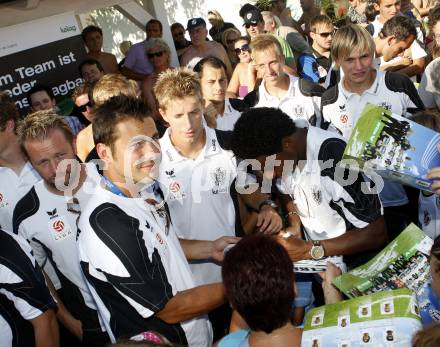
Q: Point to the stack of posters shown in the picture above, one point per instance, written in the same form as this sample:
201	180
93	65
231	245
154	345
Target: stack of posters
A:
403	263
393	147
380	319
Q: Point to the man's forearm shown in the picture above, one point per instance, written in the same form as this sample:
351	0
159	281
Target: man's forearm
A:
46	330
415	68
254	199
353	241
193	303
197	249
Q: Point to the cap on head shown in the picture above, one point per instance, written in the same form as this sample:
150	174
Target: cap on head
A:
253	16
195	22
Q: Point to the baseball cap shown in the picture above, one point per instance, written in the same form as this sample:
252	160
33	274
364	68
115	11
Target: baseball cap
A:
253	16
195	22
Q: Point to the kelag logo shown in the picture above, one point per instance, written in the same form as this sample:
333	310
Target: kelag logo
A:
67	29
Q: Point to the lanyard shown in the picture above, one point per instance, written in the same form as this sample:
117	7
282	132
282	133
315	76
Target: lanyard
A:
112	187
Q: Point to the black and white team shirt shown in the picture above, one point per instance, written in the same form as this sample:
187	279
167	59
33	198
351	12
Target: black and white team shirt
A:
393	91
48	222
23	292
134	264
198	193
326	205
12	188
301	102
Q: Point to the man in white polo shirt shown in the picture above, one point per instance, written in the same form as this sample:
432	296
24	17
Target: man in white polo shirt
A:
198	175
362	83
299	98
46	217
413	60
17	175
213	80
340	216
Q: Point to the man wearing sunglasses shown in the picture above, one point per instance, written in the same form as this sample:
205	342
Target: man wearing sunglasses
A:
180	42
254	24
201	48
315	66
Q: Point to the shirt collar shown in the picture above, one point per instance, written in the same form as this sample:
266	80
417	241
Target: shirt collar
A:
373	90
290	91
211	147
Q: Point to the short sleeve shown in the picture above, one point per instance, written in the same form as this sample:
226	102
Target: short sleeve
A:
134	271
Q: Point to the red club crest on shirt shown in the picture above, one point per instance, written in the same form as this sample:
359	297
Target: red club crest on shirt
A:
58	225
174	187
343	118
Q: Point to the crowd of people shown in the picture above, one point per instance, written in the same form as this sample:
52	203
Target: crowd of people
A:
168	207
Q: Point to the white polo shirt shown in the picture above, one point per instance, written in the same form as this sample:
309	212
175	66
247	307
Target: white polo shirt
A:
301	101
429	89
12	188
198	193
417	51
328	208
48	222
230	116
429	214
341	110
134	264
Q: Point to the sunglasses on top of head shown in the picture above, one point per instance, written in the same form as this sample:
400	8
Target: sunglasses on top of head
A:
244	48
156	54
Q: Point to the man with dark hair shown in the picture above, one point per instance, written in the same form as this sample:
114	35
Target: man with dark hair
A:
154	28
131	257
41	97
339	216
91	70
92	37
45	218
397	35
180	42
214	81
137	66
201	48
27	310
314	66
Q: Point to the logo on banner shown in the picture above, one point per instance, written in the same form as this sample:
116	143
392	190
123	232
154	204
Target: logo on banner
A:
67	29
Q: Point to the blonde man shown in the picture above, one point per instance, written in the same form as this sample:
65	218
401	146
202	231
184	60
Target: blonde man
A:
44	218
298	98
109	85
361	83
197	173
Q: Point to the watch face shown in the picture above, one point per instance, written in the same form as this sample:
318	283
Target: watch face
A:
317	252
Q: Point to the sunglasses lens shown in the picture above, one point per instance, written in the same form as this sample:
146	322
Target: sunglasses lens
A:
245	48
152	55
237	50
83	108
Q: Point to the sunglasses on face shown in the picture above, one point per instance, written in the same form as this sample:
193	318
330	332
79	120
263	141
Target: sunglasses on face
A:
248	25
83	108
244	48
326	34
157	55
